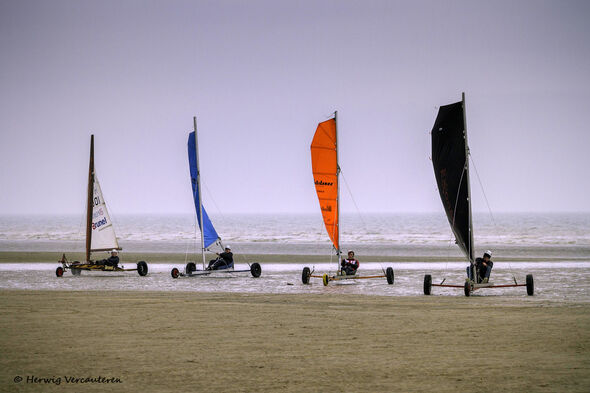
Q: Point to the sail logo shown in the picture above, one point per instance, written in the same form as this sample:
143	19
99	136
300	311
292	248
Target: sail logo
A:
326	208
323	183
98	213
98	224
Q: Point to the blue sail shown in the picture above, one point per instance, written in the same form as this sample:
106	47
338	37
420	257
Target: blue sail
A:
209	232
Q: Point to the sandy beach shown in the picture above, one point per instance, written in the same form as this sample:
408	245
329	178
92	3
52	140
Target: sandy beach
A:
162	341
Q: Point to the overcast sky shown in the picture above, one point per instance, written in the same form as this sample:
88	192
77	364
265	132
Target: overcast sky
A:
260	75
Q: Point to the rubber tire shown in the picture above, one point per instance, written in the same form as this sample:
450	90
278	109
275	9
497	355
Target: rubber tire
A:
255	270
325	279
190	268
305	275
59	272
530	285
142	268
174	272
467	288
75	272
390	276
427	284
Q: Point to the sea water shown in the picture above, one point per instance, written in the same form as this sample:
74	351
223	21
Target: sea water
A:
515	235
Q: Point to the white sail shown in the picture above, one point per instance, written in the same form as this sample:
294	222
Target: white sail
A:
103	233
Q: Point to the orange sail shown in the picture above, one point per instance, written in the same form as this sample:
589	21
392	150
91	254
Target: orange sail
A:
324	163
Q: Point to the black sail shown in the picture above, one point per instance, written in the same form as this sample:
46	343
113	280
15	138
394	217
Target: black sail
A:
451	169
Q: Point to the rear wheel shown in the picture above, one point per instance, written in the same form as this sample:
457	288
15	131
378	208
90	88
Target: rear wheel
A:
305	275
175	273
59	272
325	279
142	268
389	275
427	284
190	267
467	288
255	269
530	285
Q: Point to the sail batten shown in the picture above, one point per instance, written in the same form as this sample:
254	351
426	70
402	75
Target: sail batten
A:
451	169
209	233
324	162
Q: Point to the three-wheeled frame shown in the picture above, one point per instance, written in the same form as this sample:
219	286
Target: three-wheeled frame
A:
307	273
77	267
190	270
471	285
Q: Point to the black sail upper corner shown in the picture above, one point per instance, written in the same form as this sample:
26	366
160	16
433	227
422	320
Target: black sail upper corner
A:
451	169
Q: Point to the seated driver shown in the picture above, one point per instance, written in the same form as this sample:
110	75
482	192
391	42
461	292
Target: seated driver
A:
113	259
349	265
225	260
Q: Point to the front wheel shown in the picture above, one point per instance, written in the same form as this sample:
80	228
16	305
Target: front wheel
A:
389	275
530	285
427	284
325	279
255	270
305	275
142	268
59	272
175	273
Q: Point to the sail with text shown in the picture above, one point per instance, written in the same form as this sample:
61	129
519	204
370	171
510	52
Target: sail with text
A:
451	169
103	232
209	234
325	174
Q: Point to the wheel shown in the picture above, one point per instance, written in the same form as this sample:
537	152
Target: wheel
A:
174	273
530	285
305	275
190	267
142	268
255	269
467	288
325	279
75	272
59	271
389	275
428	284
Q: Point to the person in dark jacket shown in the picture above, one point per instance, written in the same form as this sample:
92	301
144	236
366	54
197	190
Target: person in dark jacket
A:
225	260
349	265
483	267
113	259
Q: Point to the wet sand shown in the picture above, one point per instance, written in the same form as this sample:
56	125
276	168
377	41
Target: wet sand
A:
163	341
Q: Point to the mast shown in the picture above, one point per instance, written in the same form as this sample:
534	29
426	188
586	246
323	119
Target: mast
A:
89	199
338	252
199	192
470	240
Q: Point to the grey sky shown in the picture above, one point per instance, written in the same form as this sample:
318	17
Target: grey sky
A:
260	75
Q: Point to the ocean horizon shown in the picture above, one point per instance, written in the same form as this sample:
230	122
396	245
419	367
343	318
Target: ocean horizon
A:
552	235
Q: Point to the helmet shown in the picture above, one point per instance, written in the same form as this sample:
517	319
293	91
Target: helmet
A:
114	250
227	247
350	251
488	253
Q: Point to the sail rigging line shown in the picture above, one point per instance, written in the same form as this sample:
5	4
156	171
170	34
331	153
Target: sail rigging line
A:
223	218
489	209
453	223
354	201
